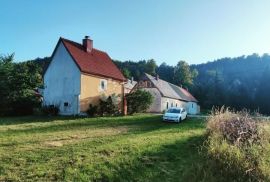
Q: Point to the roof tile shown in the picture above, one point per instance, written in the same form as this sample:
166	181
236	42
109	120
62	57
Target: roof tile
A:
96	62
170	90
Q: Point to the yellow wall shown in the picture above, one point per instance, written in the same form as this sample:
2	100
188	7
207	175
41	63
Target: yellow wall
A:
90	90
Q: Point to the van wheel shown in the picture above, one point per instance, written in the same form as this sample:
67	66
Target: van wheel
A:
179	120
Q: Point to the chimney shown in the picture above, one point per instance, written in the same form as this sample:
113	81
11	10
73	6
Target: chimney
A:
157	77
87	44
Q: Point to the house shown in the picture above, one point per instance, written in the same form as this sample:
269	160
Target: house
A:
79	75
129	85
167	95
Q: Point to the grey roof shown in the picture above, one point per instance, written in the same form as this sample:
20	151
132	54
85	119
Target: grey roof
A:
170	90
130	84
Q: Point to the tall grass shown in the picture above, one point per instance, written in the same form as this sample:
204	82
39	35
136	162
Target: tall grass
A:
238	145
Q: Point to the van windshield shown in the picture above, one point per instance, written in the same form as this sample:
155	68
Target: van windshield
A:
173	111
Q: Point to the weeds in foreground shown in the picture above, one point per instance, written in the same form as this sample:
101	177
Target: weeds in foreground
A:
238	145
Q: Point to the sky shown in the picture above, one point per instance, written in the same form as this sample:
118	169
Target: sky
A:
196	31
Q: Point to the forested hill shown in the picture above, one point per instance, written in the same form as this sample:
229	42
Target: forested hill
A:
237	82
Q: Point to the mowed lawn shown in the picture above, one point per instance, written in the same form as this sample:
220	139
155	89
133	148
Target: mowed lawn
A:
132	148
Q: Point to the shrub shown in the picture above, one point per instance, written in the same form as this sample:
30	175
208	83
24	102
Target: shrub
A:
109	105
24	106
50	110
238	145
138	101
237	128
92	110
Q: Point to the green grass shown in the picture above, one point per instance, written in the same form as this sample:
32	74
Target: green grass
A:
133	148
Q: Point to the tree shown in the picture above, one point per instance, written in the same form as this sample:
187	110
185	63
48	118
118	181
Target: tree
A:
136	69
183	75
138	101
18	81
166	72
126	73
6	67
217	94
150	67
262	94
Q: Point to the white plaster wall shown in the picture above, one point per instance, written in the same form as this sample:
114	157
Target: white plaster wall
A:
172	103
156	105
62	82
193	108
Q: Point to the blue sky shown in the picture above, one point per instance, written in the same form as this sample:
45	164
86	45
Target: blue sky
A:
167	31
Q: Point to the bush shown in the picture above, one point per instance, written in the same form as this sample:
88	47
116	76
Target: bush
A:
92	110
138	101
50	110
109	106
24	106
238	145
237	128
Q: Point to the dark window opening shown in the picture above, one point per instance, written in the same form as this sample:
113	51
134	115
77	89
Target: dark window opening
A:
102	85
167	105
66	104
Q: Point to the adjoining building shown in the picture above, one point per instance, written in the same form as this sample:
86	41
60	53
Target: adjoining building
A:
167	95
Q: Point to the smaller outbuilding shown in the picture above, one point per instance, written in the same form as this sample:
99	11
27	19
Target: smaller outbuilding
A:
129	85
167	95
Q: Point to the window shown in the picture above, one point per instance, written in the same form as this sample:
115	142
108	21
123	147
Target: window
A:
192	105
176	111
171	104
176	105
103	85
167	105
65	104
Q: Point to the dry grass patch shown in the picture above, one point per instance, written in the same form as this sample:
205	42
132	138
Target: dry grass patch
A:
239	145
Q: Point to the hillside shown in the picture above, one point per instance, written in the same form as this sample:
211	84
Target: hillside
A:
237	82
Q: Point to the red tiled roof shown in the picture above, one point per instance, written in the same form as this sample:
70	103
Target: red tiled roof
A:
96	62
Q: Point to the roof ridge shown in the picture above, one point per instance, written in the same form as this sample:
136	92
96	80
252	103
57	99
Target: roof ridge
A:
164	80
71	41
171	84
79	44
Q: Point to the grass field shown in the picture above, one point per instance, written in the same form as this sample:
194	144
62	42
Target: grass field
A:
133	148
